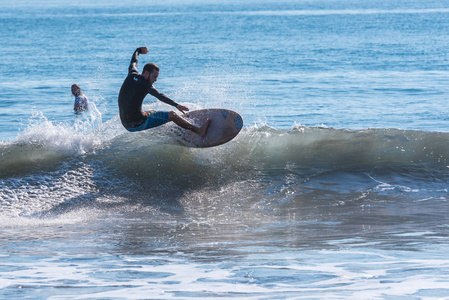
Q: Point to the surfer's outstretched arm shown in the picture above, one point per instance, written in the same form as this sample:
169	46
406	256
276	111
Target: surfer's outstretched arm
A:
181	122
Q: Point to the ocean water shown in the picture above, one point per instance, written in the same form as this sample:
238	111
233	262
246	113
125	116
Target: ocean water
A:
336	187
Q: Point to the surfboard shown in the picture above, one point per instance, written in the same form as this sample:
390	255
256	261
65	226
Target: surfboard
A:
224	126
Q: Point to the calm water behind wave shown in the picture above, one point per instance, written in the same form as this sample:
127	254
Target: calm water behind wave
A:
363	60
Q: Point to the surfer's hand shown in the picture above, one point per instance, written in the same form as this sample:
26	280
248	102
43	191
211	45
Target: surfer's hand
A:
143	50
182	108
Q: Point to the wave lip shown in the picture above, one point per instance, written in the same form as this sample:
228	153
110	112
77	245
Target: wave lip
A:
310	146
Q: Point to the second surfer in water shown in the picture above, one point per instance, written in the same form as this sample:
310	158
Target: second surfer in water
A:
134	89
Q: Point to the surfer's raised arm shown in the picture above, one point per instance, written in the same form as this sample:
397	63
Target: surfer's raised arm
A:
135	58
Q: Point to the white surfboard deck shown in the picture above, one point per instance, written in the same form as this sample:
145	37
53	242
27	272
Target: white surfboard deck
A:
224	126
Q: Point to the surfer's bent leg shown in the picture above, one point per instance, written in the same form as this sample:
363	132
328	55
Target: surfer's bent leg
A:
181	122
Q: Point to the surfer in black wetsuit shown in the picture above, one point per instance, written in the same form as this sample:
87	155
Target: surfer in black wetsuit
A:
134	89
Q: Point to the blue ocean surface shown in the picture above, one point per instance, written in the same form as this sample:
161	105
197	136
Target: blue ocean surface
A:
336	187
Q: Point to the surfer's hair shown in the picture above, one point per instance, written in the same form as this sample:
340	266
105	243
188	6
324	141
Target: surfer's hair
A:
150	67
76	90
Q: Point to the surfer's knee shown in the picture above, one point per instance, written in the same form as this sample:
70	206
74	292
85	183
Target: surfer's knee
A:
172	115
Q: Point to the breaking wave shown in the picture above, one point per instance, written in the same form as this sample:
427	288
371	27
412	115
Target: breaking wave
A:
52	169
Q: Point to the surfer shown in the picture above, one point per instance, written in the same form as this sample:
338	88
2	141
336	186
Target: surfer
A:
132	93
81	101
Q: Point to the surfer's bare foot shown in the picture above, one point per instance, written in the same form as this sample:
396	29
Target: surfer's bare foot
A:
202	131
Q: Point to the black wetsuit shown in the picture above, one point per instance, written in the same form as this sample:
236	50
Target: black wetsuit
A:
133	91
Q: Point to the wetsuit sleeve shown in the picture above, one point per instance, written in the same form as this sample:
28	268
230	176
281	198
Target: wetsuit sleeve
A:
153	92
133	65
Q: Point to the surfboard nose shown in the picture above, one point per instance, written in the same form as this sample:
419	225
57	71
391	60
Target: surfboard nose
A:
225	125
238	121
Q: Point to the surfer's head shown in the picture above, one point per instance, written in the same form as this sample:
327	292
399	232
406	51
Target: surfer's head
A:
76	90
150	72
